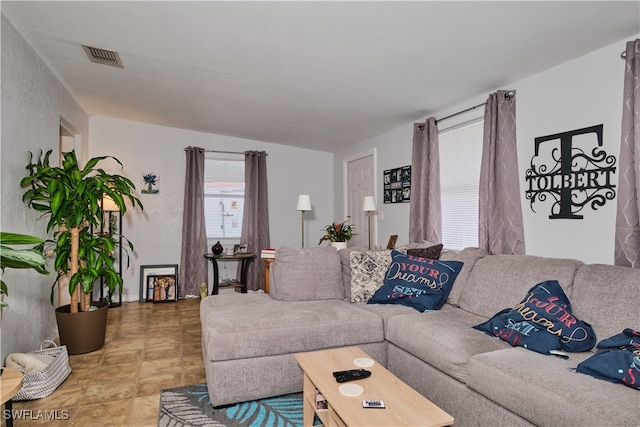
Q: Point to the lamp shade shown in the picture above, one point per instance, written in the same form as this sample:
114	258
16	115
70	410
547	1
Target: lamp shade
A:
304	203
369	204
108	204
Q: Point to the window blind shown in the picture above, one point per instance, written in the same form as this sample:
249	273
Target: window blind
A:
223	197
460	157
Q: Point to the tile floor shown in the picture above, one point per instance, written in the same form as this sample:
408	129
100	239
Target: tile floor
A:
148	347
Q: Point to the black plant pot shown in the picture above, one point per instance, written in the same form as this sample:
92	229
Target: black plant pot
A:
82	332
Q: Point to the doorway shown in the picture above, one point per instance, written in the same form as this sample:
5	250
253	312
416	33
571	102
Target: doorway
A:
69	140
359	181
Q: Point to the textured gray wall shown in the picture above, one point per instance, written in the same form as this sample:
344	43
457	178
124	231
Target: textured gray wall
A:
33	104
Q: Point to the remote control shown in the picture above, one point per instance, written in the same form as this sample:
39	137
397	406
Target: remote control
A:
349	372
373	404
352	375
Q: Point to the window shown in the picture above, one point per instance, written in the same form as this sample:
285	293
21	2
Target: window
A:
224	196
460	157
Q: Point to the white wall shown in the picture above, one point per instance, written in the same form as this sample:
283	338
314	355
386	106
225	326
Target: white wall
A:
34	103
582	92
156	232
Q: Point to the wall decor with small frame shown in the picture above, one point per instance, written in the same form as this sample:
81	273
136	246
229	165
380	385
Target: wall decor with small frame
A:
150	182
397	185
159	283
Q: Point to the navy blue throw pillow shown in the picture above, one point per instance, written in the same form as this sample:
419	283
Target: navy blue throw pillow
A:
542	322
627	340
618	361
421	283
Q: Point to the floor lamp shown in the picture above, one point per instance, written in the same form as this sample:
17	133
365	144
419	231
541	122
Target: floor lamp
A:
110	208
304	204
369	206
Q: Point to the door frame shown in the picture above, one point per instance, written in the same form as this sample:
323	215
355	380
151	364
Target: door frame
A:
345	162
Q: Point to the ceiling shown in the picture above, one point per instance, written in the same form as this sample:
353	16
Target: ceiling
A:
319	75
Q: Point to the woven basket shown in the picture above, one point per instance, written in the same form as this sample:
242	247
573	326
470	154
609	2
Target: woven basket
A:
39	384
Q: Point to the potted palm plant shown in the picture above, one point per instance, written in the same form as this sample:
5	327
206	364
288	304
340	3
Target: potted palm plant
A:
71	197
12	257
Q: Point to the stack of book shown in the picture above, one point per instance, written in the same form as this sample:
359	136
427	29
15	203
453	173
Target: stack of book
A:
268	253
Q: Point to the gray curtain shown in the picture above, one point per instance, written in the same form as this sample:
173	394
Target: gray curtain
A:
425	213
627	246
255	222
193	265
500	227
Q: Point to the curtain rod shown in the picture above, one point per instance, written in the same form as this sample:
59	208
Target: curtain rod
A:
460	112
508	95
225	152
421	127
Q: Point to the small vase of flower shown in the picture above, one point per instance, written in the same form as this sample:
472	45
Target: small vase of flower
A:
338	234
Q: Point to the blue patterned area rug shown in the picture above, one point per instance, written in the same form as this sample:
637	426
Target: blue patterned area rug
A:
190	406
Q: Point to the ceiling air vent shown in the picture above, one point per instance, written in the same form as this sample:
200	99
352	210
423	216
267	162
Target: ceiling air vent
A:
103	56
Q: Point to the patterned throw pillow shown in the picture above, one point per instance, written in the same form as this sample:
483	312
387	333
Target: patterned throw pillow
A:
420	283
542	322
432	252
367	273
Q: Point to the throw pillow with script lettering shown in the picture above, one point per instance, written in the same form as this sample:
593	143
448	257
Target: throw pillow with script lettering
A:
421	283
617	361
542	322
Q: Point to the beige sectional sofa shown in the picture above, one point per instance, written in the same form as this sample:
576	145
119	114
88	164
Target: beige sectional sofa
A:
248	340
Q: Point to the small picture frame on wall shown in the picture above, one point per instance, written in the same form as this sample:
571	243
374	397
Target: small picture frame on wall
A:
391	244
150	181
165	275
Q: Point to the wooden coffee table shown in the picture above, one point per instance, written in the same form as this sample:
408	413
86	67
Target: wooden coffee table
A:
403	405
10	385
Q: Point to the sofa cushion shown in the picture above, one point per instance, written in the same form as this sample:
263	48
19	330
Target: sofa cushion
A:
421	283
444	339
543	321
496	281
469	257
546	391
304	274
367	273
236	326
386	312
618	286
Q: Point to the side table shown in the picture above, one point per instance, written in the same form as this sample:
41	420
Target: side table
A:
10	385
243	259
267	273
